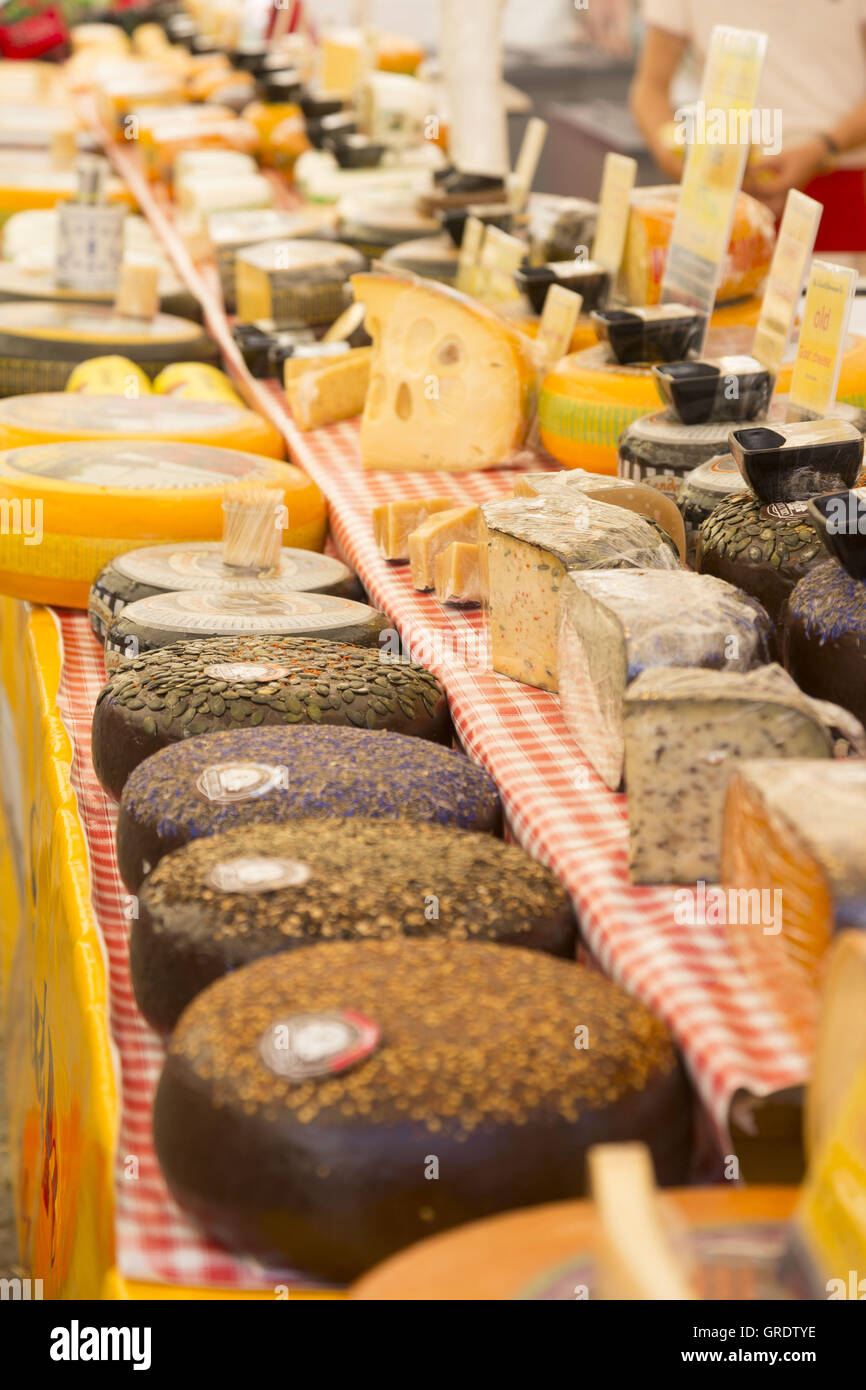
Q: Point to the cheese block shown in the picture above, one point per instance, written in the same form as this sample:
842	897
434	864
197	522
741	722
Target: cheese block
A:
40	343
198	687
230	232
219	904
331	391
261	777
74	506
294	280
457	575
650	223
685	732
109	376
702	490
265	1142
528	547
646	501
195	381
435	535
57	417
614	624
182	615
394	522
199	566
452	384
204	194
824	636
792	835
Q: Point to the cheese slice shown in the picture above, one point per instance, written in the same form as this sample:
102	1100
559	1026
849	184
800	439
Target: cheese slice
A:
685	731
394	522
793	832
435	535
332	391
452	385
530	545
456	572
618	492
614	624
379	294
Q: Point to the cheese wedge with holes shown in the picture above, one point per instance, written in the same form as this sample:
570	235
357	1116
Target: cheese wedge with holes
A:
456	573
685	731
528	546
452	386
394	522
435	535
332	391
618	492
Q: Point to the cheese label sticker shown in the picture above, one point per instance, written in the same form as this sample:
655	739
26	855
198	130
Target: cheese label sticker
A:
230	782
823	329
617	182
304	1046
254	671
794	243
784	511
257	874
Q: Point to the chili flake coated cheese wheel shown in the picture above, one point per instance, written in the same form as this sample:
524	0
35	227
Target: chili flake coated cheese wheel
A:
200	687
303	1096
40	343
220	903
55	417
264	777
73	507
182	616
163	569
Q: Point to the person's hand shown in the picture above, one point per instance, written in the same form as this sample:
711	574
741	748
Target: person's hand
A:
770	177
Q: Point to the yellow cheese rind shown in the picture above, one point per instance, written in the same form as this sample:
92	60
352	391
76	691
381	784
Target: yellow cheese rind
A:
195	381
435	535
457	578
394	522
109	376
335	391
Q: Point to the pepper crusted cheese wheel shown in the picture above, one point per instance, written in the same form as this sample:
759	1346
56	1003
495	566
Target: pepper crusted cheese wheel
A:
185	615
792	831
824	637
264	777
452	384
293	280
220	903
74	507
163	569
303	1096
41	343
53	417
614	624
198	687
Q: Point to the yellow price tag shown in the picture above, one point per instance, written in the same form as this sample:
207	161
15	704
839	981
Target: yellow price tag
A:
470	251
793	248
826	312
561	310
617	182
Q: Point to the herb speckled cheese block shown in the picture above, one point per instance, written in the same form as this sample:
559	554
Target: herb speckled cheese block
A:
452	384
614	624
197	687
646	501
261	777
40	343
527	548
685	731
825	636
75	506
294	281
305	1097
220	903
59	417
793	834
199	566
764	550
162	619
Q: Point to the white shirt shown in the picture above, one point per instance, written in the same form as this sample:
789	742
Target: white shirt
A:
815	66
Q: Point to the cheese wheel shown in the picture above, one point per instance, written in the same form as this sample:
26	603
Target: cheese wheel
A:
195	381
54	417
109	376
40	343
18	281
74	506
33	182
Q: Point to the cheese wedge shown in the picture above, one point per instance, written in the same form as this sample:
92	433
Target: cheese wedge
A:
457	578
335	391
378	293
434	536
530	545
394	522
453	383
618	492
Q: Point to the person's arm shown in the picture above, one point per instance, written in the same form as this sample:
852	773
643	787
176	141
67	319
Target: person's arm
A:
770	178
649	95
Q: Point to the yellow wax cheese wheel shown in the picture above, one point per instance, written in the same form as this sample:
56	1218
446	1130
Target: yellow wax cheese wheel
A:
195	381
587	400
40	343
34	183
25	281
109	376
70	508
54	417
